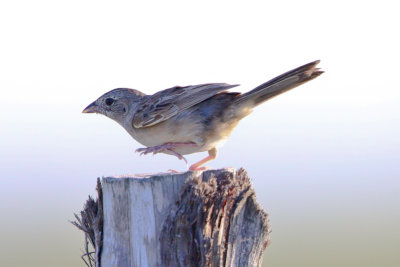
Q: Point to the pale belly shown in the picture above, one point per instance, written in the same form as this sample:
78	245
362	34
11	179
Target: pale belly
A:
184	128
172	131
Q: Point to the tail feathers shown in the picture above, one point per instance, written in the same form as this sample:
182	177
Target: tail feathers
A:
281	84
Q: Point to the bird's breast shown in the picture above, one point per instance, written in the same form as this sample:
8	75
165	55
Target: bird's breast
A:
174	130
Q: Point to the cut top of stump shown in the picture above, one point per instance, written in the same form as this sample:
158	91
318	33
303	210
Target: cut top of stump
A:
208	218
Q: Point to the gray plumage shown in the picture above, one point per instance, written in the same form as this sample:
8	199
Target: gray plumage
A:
184	120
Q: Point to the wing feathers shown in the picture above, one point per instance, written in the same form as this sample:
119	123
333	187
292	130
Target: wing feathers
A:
169	102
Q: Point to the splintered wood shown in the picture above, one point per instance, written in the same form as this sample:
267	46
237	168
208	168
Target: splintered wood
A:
208	218
217	223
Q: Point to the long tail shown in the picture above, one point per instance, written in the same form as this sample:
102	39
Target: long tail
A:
280	84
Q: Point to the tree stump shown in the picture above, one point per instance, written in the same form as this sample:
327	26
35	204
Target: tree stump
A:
208	218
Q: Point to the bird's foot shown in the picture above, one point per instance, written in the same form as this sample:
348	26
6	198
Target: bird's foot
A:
156	149
194	168
165	147
212	154
179	156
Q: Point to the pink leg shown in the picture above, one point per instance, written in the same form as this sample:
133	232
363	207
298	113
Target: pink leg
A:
165	147
212	154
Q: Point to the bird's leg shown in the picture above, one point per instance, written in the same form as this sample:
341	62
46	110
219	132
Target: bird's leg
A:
165	147
212	154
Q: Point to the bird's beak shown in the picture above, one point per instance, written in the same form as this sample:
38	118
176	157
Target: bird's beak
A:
92	108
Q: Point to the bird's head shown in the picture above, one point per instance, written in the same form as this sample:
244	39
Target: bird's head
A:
116	103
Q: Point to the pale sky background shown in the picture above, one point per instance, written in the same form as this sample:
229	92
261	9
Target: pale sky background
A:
324	158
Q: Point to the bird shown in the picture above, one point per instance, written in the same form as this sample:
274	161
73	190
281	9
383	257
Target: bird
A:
183	120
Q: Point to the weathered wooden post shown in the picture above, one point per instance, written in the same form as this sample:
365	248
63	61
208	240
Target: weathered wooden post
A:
208	218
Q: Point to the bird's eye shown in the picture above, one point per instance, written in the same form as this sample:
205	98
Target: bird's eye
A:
109	101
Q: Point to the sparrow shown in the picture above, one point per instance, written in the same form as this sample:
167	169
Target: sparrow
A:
189	119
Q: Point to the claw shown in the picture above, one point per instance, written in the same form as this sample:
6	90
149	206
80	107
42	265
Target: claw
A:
142	151
162	148
179	156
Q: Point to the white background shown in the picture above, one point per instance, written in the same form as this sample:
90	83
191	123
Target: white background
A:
324	158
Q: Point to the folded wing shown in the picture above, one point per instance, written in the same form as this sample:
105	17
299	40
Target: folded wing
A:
169	102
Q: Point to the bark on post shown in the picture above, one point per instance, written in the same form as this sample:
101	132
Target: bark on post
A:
208	218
